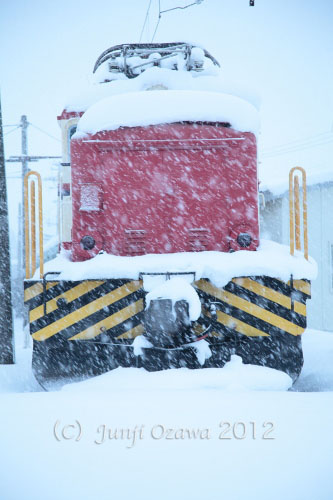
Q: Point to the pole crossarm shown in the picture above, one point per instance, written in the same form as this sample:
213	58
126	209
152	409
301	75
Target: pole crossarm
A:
13	159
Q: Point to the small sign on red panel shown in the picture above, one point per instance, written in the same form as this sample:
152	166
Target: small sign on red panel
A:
91	197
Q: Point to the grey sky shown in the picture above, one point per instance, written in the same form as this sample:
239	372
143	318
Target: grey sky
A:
283	48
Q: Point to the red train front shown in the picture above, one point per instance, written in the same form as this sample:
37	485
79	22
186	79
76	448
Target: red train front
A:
184	180
164	189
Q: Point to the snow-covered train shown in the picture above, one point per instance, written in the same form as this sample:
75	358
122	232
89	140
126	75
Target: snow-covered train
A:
158	212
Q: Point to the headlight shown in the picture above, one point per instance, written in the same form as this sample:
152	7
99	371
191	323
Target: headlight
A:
244	240
87	242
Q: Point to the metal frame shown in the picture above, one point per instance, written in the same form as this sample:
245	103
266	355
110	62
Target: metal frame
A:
44	288
168	274
144	50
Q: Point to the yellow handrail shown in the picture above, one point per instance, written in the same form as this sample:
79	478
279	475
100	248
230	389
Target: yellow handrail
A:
33	227
294	212
30	226
262	196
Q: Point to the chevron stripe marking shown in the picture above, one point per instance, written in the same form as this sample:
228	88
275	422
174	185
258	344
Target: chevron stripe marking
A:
264	291
87	310
239	325
302	286
300	308
36	289
110	321
250	308
268	293
70	295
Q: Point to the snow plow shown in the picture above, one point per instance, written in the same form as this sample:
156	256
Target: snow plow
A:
161	265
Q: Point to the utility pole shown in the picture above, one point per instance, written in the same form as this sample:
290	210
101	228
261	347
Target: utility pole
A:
24	152
6	315
24	159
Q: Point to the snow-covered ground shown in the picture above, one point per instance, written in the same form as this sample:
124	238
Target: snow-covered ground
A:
232	433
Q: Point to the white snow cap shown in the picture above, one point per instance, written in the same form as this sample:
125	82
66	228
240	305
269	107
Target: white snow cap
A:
177	289
271	259
156	107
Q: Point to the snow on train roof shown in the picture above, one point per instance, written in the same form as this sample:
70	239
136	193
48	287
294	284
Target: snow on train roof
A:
271	259
156	77
160	106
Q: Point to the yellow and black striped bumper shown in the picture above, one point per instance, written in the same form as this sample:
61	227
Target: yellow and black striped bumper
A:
83	310
87	327
257	306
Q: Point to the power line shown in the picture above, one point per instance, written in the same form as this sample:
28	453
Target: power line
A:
44	132
297	148
300	142
13	130
159	18
182	8
300	146
35	126
145	21
160	12
158	22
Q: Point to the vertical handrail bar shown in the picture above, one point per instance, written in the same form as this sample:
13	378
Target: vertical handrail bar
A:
41	234
30	219
297	214
33	226
305	219
26	228
294	212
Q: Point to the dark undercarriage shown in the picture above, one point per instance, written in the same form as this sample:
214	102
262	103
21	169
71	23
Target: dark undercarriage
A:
82	359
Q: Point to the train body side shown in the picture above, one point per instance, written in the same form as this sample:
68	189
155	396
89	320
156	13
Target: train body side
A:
164	189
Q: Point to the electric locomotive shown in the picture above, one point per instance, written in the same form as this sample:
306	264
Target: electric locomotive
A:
159	225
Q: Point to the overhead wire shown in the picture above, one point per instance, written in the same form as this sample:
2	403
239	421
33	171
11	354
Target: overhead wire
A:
295	149
300	141
145	21
158	21
13	130
44	132
160	12
299	145
35	126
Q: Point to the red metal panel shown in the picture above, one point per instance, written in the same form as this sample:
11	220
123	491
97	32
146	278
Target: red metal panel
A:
166	188
67	115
